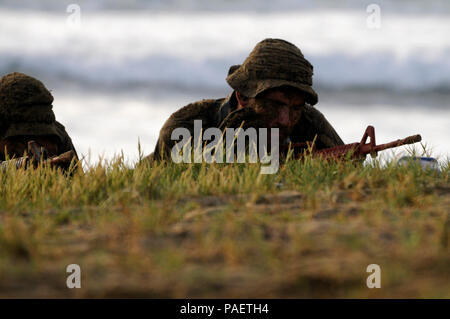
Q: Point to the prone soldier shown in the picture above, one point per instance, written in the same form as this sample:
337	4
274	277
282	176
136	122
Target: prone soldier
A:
271	89
26	115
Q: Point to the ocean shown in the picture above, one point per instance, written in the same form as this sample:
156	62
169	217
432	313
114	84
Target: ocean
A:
118	69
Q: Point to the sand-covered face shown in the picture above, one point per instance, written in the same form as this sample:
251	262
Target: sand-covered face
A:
280	108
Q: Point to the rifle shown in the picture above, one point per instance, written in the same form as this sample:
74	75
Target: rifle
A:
38	155
355	151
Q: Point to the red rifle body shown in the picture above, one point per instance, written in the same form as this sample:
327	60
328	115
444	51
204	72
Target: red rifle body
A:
354	150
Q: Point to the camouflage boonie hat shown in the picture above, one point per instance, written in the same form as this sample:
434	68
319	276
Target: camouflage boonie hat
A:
273	63
19	91
26	105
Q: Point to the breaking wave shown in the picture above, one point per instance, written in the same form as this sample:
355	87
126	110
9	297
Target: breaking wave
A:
191	50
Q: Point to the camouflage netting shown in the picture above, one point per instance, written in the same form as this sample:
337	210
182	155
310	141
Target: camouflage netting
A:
25	99
273	63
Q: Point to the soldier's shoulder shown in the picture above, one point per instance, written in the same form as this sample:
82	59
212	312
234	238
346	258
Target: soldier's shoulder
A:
61	129
326	132
62	133
311	113
60	126
199	107
205	109
315	117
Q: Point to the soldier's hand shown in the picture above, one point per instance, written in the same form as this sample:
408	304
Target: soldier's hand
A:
245	117
63	161
36	153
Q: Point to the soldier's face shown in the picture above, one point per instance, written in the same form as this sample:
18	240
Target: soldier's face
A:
281	108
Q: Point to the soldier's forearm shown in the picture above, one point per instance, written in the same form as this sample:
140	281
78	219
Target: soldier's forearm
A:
21	162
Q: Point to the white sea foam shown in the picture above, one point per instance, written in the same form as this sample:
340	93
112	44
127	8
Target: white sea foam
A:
403	6
195	49
120	75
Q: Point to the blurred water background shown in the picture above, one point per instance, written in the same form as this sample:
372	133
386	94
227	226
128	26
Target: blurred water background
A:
119	74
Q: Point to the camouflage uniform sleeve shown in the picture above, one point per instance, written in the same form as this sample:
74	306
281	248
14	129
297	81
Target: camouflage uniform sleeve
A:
66	141
184	118
313	123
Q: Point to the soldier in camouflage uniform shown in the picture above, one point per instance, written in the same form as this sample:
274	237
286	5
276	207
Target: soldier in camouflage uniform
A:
272	88
26	114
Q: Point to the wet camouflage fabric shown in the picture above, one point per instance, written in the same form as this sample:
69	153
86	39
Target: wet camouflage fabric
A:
273	63
223	113
26	114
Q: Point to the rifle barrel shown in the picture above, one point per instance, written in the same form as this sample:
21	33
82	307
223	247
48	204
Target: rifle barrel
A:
409	140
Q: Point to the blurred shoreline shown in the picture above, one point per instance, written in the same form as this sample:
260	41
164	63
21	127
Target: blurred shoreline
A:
120	74
146	49
436	7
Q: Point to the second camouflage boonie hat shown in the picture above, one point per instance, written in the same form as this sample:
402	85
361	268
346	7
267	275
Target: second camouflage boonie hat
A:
18	90
273	63
26	105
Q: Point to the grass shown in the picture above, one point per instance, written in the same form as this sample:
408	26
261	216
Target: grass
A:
224	230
